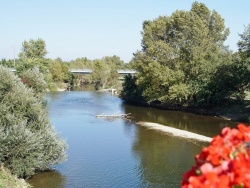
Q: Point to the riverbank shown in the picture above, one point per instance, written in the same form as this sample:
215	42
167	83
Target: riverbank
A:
174	131
8	180
237	112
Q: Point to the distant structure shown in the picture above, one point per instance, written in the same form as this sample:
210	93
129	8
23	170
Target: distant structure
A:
12	69
122	72
89	71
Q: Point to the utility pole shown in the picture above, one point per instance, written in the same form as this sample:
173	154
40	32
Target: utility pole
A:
14	57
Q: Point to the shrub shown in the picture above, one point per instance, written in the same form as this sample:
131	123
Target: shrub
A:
28	142
224	163
34	79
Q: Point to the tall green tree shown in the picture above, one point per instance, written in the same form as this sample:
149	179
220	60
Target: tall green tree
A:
32	55
33	49
244	42
179	54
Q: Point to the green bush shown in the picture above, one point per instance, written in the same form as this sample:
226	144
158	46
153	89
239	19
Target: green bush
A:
28	142
34	79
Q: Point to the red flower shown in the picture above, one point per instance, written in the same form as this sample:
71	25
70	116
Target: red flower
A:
224	163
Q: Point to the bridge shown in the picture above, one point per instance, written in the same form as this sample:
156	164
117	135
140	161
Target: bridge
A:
89	71
12	69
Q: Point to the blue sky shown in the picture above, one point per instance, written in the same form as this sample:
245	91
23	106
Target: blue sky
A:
97	28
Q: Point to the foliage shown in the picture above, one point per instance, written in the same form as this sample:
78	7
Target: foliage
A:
34	79
59	71
224	163
231	80
130	90
244	52
115	60
228	82
27	139
7	180
32	55
33	49
179	55
104	73
80	63
7	63
244	43
106	78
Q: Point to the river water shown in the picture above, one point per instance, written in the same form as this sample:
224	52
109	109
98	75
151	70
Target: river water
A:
117	153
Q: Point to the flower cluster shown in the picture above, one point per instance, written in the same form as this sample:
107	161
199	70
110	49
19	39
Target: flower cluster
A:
224	163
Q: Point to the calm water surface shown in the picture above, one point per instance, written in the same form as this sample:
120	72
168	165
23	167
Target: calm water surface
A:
118	153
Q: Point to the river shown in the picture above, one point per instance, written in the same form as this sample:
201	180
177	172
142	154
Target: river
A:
117	153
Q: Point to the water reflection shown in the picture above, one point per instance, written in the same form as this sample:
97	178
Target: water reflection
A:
204	125
48	179
84	87
163	159
118	153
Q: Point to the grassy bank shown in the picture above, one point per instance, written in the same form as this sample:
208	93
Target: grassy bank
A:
7	180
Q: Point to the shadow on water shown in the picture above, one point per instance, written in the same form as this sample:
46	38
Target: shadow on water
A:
204	125
49	179
163	159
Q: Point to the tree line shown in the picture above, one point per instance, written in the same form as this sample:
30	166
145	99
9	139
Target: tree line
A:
28	141
184	62
56	71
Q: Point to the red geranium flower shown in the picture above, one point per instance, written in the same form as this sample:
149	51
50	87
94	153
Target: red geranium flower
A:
224	163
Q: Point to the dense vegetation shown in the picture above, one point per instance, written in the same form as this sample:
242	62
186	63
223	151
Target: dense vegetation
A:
7	180
184	62
104	71
27	139
57	72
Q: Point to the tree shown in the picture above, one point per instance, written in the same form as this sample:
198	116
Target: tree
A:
228	83
80	63
33	49
115	60
32	55
28	142
59	71
34	79
244	43
104	73
244	52
179	55
131	91
7	63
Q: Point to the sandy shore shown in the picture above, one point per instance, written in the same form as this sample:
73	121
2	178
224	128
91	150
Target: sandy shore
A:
174	131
